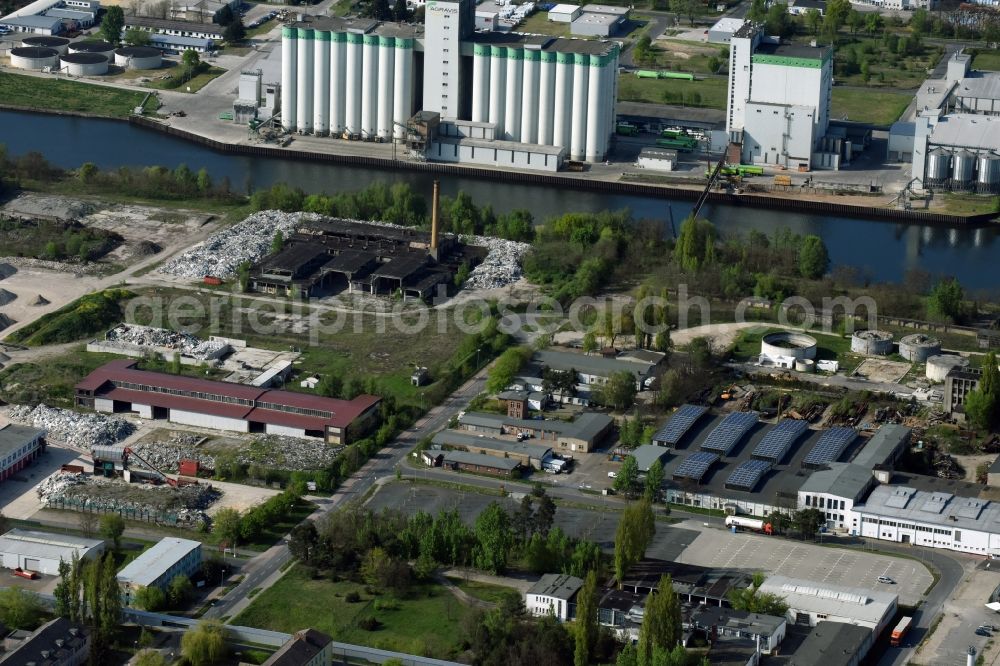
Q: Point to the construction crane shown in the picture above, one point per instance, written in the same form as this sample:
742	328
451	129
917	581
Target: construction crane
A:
712	179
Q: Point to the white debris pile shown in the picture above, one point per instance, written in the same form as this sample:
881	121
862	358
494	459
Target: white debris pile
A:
223	252
288	453
135	335
166	454
502	265
80	431
79	492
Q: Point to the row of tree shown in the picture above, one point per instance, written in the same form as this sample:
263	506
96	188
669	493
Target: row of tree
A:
87	593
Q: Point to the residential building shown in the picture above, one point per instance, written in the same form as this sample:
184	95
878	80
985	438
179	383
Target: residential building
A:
554	594
481	463
43	551
58	642
517	403
833	644
810	602
726	623
526	453
581	435
19	446
159	565
308	647
119	386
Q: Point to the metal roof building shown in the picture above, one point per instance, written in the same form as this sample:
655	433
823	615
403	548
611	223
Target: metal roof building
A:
833	644
812	602
885	447
579	435
647	454
42	551
157	566
524	452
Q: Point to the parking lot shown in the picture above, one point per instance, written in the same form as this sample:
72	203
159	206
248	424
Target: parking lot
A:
962	613
716	547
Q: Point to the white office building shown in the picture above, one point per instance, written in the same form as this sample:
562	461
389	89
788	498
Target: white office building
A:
554	594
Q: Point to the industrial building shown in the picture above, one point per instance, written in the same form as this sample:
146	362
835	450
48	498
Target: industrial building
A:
778	107
159	565
958	383
118	386
554	594
526	453
445	83
19	446
833	644
724	29
581	435
810	602
175	28
480	463
594	369
42	551
722	622
177	45
309	647
52	17
58	642
599	21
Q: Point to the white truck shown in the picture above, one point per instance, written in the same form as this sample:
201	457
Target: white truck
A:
736	523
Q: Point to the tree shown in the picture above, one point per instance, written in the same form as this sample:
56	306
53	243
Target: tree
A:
303	542
111	26
779	521
618	392
874	24
137	37
494	539
88	523
636	529
150	599
400	12
545	514
205	644
228	525
627	479
278	242
506	367
983	404
856	20
190	60
20	609
946	301
589	342
226	16
235	32
179	590
654	481
813	20
814	260
919	21
752	600
661	622
112	528
109	614
642	52
330	385
700	353
586	620
695	244
808	521
63	590
149	658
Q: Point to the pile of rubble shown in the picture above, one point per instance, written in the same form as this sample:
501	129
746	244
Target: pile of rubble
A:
134	335
80	492
502	265
80	431
288	453
223	252
167	453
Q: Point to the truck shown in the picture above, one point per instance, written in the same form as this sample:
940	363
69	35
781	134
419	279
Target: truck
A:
900	631
753	524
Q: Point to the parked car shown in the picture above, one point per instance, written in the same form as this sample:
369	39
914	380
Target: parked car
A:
612	475
886	580
982	632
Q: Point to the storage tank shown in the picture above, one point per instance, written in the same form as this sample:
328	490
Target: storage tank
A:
512	101
402	96
59	44
919	347
805	365
595	115
321	82
480	82
106	49
498	86
369	87
872	343
546	95
529	96
938	162
386	63
304	103
940	365
988	172
578	113
964	165
338	81
34	57
138	57
352	91
289	77
84	64
562	126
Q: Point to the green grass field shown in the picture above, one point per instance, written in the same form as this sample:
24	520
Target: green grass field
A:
706	93
484	591
84	317
868	106
428	621
51	381
539	24
971	204
828	347
55	95
177	82
988	60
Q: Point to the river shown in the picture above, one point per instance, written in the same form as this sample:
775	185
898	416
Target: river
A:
883	250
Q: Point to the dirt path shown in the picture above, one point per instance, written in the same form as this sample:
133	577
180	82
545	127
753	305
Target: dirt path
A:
461	594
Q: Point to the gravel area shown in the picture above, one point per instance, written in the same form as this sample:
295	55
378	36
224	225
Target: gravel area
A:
81	431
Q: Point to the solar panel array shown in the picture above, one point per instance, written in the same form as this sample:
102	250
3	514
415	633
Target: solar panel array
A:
779	439
728	433
747	475
679	424
830	447
695	465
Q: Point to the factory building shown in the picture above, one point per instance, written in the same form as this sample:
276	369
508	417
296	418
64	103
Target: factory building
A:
174	28
118	387
159	565
42	552
580	436
810	603
778	107
364	79
19	446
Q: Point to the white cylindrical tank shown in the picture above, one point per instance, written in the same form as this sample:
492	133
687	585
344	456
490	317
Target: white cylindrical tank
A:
386	85
546	95
84	64
402	96
33	57
59	44
512	107
805	365
498	84
338	81
304	104
562	126
480	83
918	347
529	96
352	91
369	87
578	114
138	57
106	49
321	85
595	108
939	365
289	77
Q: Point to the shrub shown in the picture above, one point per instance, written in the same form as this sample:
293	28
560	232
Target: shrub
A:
352	597
386	604
369	623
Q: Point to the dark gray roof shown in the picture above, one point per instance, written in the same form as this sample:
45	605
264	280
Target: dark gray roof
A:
44	638
559	586
544	42
13	437
349	261
591	365
179	26
811	4
474	443
830	644
302	648
481	459
793	51
360	26
647	454
731	652
400	268
840	479
995	467
587	426
719	616
883	444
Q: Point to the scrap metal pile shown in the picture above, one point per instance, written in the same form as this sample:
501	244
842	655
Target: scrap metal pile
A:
80	431
285	453
502	265
134	335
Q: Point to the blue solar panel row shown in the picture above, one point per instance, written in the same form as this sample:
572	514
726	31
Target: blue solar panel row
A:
779	440
695	465
728	433
678	425
747	475
831	446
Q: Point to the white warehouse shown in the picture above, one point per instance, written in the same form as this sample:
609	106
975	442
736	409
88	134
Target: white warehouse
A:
364	79
42	551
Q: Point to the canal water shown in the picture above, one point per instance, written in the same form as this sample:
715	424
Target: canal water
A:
883	250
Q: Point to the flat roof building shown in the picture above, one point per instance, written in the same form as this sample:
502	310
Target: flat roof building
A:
528	454
39	25
810	602
728	623
175	28
481	463
647	454
19	446
554	594
581	435
833	644
42	551
592	369
724	29
159	565
58	642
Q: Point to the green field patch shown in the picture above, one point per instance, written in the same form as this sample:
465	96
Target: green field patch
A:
868	106
69	96
704	93
84	317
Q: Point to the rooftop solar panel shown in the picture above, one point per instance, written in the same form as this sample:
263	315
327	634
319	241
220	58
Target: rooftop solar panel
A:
728	433
830	447
779	440
747	475
678	425
695	465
